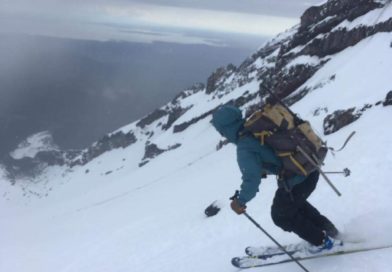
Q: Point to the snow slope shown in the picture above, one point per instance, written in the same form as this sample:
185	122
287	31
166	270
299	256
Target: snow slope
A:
150	219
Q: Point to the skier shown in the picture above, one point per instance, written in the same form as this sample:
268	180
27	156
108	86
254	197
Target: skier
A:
290	209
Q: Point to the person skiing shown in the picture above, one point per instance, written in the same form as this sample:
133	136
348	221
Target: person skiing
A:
290	209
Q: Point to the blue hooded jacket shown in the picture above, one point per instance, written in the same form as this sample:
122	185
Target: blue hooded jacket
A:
253	158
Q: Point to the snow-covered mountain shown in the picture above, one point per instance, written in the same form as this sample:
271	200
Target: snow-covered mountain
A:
134	200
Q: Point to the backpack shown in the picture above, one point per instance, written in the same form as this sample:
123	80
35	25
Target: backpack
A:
292	139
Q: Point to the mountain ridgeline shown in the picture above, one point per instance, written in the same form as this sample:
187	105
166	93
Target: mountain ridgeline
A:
284	65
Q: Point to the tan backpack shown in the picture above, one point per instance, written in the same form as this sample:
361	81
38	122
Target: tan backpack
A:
276	126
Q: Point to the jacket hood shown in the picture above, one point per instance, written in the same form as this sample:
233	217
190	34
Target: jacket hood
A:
228	121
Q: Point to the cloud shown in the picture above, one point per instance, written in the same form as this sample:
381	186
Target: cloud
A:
149	20
201	19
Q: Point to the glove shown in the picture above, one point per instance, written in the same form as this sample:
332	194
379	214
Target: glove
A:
237	207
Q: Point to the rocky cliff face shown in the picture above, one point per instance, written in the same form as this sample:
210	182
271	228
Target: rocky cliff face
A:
283	65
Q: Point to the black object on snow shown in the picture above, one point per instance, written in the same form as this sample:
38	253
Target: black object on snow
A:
212	209
388	99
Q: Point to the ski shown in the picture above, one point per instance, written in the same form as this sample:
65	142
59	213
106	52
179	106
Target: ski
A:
279	258
270	251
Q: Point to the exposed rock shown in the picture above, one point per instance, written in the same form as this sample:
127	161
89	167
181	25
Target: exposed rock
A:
185	125
212	81
338	119
262	53
316	37
217	78
172	110
221	144
197	87
322	19
152	117
242	100
151	151
388	99
345	9
338	40
120	139
319	110
172	147
107	143
174	114
293	78
56	157
296	97
143	163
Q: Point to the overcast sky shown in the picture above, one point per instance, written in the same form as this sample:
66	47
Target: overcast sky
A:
150	20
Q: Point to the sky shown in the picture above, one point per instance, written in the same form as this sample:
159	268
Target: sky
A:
182	21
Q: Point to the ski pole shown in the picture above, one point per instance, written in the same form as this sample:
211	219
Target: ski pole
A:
346	172
276	242
315	164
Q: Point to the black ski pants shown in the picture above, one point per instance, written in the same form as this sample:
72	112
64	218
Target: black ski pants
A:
292	212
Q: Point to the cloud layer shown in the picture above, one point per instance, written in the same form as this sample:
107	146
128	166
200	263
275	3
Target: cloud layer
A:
148	20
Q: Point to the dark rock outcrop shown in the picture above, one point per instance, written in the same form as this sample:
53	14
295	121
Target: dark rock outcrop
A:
338	119
216	79
174	114
315	21
185	125
197	87
173	111
221	144
346	9
57	157
341	118
152	117
338	40
107	143
290	80
152	151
